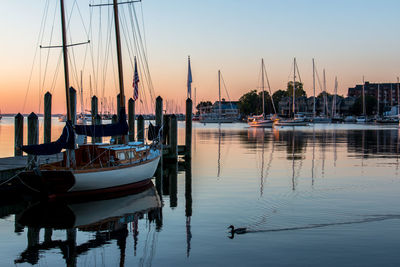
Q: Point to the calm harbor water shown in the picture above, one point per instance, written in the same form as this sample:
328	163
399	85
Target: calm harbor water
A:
319	195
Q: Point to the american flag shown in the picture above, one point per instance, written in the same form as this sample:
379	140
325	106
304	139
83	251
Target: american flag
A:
136	83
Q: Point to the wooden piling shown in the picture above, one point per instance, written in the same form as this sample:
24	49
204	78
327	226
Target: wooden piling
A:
173	138
48	232
131	119
72	97
159	111
119	104
18	134
165	136
159	178
97	121
140	128
47	118
173	185
188	129
33	236
188	187
114	119
33	129
33	132
94	108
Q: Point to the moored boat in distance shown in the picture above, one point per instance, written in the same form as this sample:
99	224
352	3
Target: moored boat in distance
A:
221	112
361	119
62	118
263	121
260	121
321	119
297	119
349	119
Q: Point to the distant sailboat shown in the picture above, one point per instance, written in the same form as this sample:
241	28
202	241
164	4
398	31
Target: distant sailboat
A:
363	118
262	120
296	120
217	116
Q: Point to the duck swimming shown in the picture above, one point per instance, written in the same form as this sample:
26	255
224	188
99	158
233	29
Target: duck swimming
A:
238	231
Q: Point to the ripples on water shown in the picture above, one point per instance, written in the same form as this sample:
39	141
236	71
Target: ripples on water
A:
323	195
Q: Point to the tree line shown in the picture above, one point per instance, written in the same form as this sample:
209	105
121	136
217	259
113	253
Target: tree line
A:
251	102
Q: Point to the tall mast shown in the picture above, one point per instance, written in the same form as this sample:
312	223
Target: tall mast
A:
398	99
219	94
313	69
334	99
82	104
65	56
378	98
363	96
119	56
294	87
263	91
325	100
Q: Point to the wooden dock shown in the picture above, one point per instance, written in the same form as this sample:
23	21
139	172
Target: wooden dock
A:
12	165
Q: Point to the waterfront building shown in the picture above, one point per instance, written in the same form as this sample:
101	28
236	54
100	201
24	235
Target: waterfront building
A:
229	109
387	92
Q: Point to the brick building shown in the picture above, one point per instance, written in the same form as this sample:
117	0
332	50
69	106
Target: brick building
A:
387	92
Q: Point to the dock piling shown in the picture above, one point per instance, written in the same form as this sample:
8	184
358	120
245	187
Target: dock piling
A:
33	131
159	111
72	100
173	138
18	134
188	129
94	108
114	119
97	121
47	118
131	119
140	128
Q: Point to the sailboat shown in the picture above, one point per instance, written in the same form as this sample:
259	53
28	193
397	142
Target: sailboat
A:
216	116
363	118
262	120
322	118
296	120
92	169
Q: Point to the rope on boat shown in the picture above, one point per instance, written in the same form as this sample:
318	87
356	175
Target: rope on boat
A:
17	175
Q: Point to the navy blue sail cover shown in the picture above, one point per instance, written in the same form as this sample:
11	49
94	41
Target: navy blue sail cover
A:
119	128
67	138
66	141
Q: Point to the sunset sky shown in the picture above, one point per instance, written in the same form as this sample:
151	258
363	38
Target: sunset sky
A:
349	38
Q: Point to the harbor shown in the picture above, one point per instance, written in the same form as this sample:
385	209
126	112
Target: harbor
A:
319	186
192	133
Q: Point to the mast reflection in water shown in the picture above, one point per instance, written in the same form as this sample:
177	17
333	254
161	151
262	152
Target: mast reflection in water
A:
107	220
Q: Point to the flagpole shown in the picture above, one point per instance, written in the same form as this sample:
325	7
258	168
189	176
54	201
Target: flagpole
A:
189	80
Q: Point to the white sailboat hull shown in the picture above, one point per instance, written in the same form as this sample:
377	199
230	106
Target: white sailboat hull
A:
87	181
261	123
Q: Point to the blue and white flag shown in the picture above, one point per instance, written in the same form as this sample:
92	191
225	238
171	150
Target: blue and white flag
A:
189	81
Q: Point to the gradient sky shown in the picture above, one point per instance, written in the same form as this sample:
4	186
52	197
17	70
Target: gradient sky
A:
350	38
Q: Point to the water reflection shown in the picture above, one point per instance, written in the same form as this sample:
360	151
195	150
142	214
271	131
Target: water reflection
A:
360	143
269	181
107	219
